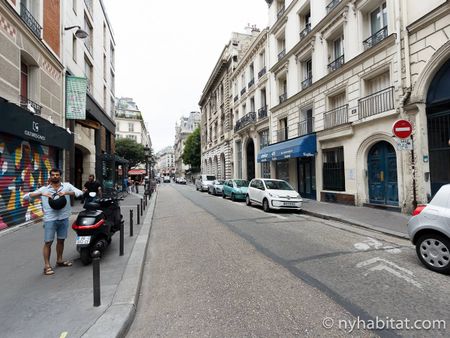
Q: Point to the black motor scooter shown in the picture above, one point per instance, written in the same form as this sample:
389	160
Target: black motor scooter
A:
96	225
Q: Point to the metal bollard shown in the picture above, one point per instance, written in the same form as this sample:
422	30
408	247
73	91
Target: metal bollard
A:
96	276
122	235
142	209
138	216
131	223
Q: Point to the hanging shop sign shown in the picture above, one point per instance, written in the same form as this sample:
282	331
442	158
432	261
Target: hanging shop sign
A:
76	88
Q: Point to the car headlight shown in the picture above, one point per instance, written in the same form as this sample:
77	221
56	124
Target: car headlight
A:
273	195
298	196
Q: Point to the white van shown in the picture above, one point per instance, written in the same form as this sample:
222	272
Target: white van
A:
203	181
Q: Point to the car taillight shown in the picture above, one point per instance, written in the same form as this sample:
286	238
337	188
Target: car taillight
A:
418	210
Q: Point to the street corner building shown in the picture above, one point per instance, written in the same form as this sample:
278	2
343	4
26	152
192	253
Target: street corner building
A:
32	137
312	99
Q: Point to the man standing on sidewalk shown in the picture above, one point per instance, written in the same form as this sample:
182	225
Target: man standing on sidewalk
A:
57	210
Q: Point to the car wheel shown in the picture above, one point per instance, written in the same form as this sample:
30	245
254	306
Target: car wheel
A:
233	198
223	195
214	192
433	251
209	191
247	200
266	207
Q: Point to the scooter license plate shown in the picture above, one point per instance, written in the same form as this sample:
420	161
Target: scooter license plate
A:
83	240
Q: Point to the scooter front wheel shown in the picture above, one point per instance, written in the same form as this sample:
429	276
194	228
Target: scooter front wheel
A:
85	256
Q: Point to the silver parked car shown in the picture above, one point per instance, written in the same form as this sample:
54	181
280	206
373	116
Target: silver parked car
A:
203	181
429	230
216	188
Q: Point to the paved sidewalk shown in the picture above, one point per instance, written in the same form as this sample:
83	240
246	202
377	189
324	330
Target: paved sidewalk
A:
390	222
34	305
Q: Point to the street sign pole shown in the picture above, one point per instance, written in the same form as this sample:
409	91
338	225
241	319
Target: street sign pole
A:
413	166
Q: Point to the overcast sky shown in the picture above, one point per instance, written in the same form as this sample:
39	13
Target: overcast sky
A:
166	50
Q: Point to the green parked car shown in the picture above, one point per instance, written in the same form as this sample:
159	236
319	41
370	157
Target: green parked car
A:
235	189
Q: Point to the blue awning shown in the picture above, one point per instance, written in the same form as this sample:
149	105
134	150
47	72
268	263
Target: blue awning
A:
303	146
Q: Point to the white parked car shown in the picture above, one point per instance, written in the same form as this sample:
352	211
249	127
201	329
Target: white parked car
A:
273	194
429	230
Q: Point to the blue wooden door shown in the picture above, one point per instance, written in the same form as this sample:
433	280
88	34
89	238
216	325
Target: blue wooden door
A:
382	172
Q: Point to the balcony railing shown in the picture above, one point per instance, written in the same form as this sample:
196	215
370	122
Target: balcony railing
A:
375	38
283	97
336	117
236	98
281	54
30	21
89	6
306	126
246	120
29	105
376	103
262	112
336	64
332	4
262	72
243	90
251	82
307	82
280	12
282	134
305	31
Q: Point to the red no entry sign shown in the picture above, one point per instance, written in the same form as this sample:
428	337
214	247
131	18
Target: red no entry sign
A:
402	128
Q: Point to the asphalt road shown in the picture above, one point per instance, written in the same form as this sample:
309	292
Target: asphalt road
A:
219	268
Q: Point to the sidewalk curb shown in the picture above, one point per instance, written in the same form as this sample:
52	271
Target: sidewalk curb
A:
356	223
119	315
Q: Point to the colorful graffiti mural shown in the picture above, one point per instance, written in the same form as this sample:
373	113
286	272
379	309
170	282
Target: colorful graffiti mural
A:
24	167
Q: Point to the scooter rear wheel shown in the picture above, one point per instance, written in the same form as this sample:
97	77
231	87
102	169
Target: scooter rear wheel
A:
85	256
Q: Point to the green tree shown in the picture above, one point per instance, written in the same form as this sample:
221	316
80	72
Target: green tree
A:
131	151
192	151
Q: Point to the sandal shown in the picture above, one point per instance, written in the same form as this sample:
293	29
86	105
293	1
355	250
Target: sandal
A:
48	271
65	263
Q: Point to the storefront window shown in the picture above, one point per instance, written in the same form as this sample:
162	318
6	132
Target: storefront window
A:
264	142
283	170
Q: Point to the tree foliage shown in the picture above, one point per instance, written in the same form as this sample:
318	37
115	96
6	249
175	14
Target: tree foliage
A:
131	151
192	151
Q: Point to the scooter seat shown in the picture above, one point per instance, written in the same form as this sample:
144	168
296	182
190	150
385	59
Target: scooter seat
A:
92	205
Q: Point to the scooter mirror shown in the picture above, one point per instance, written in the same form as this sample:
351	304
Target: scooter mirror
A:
92	194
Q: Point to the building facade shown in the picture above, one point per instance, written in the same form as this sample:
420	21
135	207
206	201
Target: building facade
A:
130	123
33	137
217	116
93	58
250	88
165	161
183	129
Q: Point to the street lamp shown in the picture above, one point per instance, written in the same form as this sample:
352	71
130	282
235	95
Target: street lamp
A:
80	34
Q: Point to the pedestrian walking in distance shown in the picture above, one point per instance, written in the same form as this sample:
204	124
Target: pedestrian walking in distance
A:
57	210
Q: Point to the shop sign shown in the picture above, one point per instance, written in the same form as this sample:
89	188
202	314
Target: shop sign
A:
76	88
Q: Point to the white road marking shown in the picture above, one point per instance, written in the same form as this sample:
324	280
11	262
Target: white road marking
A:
390	267
373	243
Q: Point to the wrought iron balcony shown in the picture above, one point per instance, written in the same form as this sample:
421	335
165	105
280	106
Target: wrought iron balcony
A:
376	103
375	38
280	12
262	112
243	90
30	21
282	134
246	120
89	6
251	82
29	105
336	64
306	126
332	4
307	82
283	97
336	117
305	31
281	54
236	98
262	72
